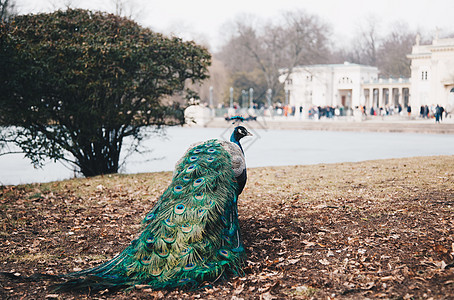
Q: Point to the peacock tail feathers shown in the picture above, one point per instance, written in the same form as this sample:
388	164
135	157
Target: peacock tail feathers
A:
191	235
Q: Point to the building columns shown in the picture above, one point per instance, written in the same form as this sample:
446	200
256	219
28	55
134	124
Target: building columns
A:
380	97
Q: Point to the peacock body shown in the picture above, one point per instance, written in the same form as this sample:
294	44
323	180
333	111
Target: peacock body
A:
192	235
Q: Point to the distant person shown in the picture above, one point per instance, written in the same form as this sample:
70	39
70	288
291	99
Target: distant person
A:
442	109
426	111
437	114
409	111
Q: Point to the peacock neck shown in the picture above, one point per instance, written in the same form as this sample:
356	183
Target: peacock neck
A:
236	140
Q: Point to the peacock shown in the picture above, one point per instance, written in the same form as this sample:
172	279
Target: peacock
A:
191	237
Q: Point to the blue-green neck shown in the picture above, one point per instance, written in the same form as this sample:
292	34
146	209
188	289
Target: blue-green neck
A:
234	139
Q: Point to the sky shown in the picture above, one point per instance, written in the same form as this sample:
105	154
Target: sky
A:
205	20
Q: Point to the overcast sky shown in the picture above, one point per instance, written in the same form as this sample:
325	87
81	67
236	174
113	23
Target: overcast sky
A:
205	19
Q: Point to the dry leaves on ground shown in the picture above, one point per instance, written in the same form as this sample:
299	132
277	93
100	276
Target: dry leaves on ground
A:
377	229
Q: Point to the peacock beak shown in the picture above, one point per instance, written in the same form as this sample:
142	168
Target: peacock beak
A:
248	133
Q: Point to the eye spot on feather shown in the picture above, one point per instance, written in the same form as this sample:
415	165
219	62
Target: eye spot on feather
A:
201	212
232	231
150	241
186	251
169	239
145	260
210	159
224	220
193	158
179	209
199	196
196	151
164	253
184	281
211	150
150	216
198	181
169	223
178	189
190	168
227	239
186	178
156	272
189	267
224	253
186	228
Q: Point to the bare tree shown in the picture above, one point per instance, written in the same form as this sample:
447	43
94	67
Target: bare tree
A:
365	43
370	40
392	58
234	52
388	52
218	81
7	9
58	4
263	50
127	8
296	38
306	38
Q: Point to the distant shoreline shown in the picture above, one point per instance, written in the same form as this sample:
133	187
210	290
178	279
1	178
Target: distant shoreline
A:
370	125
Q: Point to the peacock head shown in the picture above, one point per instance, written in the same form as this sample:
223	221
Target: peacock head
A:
240	132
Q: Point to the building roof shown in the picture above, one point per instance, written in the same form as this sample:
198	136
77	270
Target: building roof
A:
425	51
387	80
344	65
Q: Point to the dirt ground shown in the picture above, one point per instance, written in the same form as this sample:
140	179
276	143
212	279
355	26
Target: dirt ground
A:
375	229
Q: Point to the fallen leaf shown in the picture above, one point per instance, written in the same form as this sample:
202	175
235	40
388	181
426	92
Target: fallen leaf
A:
440	249
267	296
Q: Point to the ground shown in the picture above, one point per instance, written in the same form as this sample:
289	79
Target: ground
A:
375	229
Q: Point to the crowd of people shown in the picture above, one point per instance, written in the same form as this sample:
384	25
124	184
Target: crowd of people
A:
339	111
316	112
328	112
433	111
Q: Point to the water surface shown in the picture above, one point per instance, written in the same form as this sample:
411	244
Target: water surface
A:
267	148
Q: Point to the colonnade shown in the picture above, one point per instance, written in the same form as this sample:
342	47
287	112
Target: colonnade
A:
381	94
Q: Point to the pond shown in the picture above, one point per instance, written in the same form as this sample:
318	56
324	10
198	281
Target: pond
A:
266	148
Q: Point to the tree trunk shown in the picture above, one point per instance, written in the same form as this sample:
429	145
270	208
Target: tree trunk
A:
100	159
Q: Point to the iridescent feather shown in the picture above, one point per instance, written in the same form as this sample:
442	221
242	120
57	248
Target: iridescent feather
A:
191	236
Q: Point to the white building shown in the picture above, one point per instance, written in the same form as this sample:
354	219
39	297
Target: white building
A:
386	93
349	85
336	85
432	74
